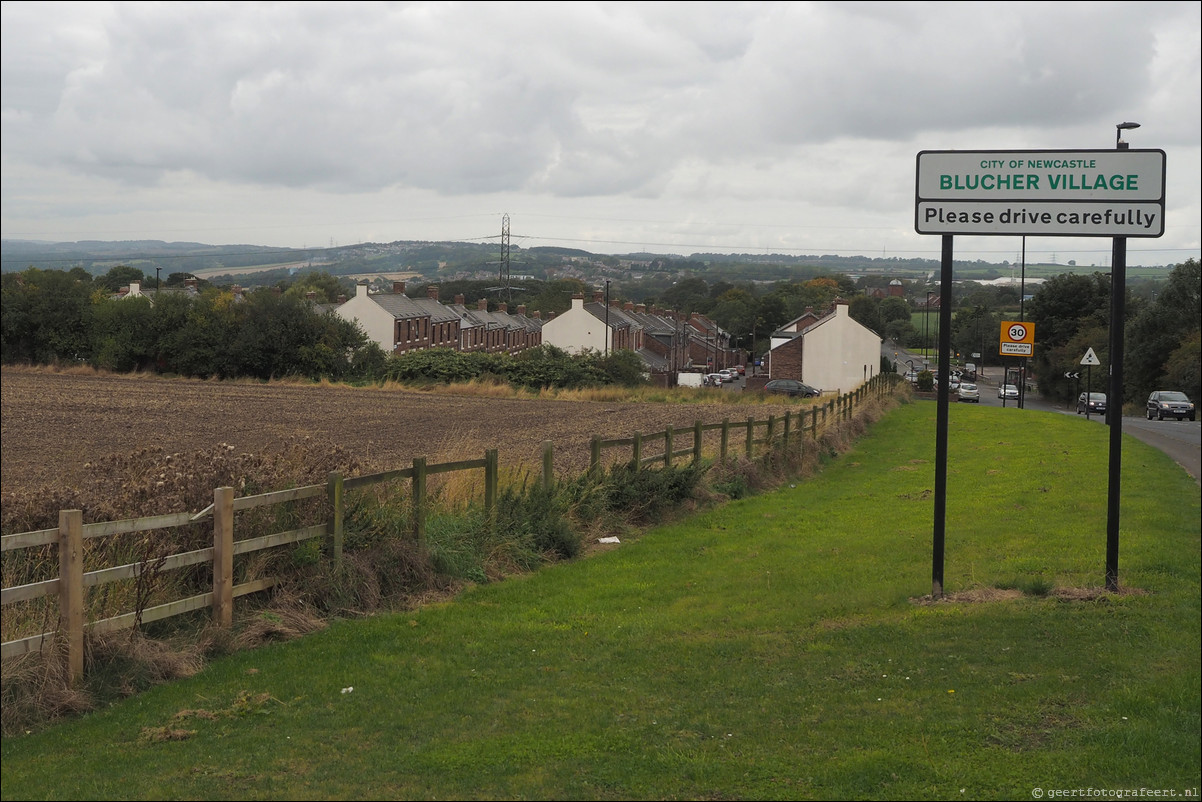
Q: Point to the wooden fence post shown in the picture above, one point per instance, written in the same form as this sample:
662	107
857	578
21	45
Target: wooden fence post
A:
814	425
668	446
594	460
785	433
750	436
70	587
334	526
548	465
223	556
636	450
697	443
419	500
491	480
725	436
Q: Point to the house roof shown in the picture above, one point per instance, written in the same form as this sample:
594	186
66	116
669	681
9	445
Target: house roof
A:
400	306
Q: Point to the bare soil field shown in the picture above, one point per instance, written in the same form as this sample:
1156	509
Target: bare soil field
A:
53	424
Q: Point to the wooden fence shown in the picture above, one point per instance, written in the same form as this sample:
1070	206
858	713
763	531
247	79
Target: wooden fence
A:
73	581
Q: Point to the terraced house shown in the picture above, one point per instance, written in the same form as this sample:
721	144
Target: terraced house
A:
400	324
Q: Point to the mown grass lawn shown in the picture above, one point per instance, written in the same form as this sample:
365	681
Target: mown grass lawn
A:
778	647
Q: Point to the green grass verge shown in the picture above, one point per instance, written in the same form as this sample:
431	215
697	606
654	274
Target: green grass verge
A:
774	648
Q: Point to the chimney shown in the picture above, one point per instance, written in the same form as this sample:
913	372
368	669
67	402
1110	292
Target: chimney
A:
482	304
191	282
522	310
310	296
361	289
503	308
341	299
628	306
398	288
537	315
459	300
598	297
432	291
135	287
641	309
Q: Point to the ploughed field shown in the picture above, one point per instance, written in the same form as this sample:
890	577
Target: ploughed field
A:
54	424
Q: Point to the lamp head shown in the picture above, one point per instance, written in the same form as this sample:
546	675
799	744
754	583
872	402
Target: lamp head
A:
1118	133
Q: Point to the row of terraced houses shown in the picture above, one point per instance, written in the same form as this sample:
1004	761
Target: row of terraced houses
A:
665	341
828	350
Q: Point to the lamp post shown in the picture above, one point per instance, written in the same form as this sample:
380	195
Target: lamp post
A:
606	317
926	343
1114	403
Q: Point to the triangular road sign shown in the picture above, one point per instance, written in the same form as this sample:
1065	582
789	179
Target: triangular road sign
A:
1090	358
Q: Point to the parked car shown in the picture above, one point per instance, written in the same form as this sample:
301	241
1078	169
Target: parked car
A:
1170	404
1091	402
1008	391
714	380
970	393
741	370
792	387
729	375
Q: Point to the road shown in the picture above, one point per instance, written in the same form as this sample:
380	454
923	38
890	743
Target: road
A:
1181	440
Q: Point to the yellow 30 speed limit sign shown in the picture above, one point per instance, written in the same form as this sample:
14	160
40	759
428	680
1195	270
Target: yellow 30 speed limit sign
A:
1018	338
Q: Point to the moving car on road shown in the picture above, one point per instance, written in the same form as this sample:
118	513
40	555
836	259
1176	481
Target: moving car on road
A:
792	387
969	393
1091	402
1170	404
1008	391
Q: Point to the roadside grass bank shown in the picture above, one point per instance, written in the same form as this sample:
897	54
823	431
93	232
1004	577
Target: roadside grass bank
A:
775	647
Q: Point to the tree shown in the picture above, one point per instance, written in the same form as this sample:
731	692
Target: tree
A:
866	310
326	287
1160	331
1063	307
120	276
45	317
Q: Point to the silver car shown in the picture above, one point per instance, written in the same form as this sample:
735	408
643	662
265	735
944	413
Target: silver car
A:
969	393
1170	404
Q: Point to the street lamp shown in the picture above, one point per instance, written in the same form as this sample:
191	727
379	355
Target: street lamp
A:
607	318
926	344
1119	144
1114	403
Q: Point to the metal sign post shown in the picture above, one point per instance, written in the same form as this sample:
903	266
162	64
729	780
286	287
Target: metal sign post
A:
1054	193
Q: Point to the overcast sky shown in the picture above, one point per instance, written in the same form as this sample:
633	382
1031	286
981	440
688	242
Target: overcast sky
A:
612	127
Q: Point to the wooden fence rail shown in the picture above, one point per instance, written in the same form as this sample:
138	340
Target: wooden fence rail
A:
73	581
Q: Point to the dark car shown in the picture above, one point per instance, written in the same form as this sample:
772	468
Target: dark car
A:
792	387
1170	404
1091	402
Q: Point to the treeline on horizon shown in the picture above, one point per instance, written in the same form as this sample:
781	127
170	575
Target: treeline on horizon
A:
285	329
